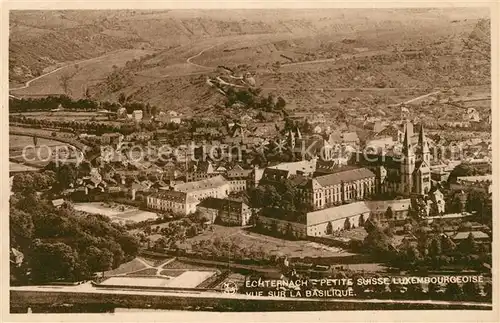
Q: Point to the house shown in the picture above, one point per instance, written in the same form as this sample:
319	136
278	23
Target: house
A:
303	167
478	236
58	203
438	203
121	113
137	115
172	201
399	209
169	117
111	139
350	138
311	147
238	178
472	115
225	211
16	257
200	171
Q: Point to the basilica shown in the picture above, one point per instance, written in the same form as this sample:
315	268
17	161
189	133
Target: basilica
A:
405	172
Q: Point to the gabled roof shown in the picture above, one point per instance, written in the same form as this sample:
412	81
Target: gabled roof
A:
345	176
336	213
212	182
174	196
475	234
275	174
221	204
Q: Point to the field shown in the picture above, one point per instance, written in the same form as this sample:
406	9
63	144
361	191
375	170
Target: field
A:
117	212
139	272
22	150
65	116
270	244
82	74
350	61
15	167
188	279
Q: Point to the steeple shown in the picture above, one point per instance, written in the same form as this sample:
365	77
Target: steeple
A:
422	140
423	147
407	148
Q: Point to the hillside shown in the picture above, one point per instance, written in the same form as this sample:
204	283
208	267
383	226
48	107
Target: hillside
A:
313	58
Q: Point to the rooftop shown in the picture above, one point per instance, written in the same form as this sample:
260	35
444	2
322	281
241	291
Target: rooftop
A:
213	182
174	196
336	213
220	204
294	167
475	234
344	176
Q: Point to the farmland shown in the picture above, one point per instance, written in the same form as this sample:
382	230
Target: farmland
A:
81	74
317	60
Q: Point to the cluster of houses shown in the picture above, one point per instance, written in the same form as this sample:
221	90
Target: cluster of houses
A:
340	188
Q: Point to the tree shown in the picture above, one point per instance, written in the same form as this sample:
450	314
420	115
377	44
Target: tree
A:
280	103
435	247
329	228
471	290
122	98
469	245
98	259
415	291
476	201
454	291
377	241
64	82
389	213
361	221
487	289
53	261
347	224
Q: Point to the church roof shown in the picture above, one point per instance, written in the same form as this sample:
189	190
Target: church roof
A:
345	176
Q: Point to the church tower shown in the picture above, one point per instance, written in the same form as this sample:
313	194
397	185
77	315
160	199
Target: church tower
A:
423	153
422	177
408	162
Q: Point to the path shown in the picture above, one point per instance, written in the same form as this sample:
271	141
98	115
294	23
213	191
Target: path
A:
342	57
421	97
188	60
27	84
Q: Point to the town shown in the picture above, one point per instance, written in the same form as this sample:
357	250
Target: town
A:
383	185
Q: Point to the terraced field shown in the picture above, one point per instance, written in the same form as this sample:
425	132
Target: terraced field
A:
82	74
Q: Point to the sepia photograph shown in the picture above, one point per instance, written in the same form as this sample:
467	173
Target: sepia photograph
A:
250	160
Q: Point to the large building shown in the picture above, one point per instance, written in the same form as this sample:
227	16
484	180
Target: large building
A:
329	220
217	187
172	201
317	223
405	173
225	211
238	179
340	187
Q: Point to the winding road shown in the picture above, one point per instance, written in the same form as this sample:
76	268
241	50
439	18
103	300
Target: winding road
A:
27	84
188	60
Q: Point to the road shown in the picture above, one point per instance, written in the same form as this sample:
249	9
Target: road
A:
188	60
27	84
86	292
421	97
343	56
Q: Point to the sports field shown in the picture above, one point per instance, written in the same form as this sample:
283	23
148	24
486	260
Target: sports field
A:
187	279
117	212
